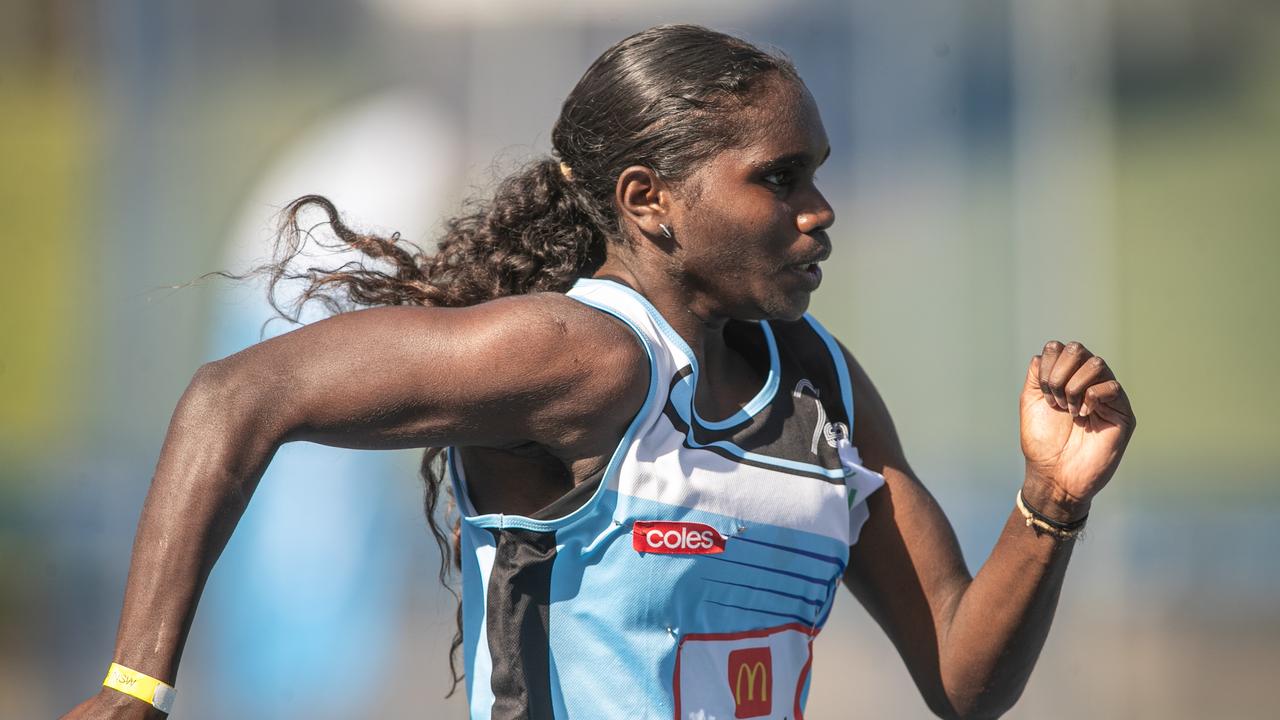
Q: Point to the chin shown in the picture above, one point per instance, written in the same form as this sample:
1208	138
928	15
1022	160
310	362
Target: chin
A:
790	307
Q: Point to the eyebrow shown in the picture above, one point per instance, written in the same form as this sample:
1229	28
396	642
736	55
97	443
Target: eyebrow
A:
792	159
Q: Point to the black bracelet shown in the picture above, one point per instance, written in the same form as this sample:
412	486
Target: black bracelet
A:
1057	525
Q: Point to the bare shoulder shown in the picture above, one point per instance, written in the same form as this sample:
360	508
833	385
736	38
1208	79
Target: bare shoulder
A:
592	370
591	345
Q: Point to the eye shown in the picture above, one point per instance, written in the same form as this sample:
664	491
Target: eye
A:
780	178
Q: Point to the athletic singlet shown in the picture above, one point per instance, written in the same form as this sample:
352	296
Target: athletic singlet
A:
690	578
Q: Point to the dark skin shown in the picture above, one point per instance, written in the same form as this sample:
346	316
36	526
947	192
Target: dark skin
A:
745	224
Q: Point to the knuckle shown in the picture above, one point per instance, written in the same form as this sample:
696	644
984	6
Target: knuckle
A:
1074	347
1097	362
1053	346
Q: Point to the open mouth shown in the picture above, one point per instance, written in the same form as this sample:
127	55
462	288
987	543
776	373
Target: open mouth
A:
810	272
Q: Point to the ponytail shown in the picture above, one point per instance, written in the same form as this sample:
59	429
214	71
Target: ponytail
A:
537	233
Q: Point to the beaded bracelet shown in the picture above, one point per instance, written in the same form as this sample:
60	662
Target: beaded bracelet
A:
1042	523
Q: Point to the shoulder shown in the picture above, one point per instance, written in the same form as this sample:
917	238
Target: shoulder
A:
587	370
551	326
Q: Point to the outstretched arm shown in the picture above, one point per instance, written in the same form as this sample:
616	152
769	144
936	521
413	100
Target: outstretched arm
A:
500	373
970	643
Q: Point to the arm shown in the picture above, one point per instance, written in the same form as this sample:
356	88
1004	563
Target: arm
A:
970	643
504	372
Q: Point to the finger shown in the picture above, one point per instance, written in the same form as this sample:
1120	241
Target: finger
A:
1092	372
1109	400
1072	357
1049	357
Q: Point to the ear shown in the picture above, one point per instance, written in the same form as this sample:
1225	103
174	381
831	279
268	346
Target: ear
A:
644	200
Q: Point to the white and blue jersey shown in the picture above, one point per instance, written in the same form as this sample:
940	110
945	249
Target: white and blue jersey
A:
691	577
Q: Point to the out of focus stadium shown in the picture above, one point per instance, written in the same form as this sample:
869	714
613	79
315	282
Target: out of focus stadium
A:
1003	173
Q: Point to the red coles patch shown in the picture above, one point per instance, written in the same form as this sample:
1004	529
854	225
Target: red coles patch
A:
751	681
675	538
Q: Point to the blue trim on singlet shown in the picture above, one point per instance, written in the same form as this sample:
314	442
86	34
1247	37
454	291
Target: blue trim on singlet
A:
745	413
842	367
682	394
500	521
762	398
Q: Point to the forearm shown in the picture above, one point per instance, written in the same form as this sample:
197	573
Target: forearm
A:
214	453
1002	619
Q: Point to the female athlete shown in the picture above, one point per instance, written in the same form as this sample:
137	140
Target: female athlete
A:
662	463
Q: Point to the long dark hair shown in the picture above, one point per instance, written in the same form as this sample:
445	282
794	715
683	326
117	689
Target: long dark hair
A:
662	98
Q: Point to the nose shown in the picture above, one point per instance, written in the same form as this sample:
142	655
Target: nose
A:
820	217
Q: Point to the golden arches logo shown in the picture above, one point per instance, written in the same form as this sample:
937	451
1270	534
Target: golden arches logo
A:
750	680
750	673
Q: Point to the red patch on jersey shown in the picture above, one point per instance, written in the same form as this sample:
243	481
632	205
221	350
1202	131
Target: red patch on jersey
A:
675	538
751	681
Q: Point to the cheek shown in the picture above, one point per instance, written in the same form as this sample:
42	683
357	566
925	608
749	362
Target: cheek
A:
745	233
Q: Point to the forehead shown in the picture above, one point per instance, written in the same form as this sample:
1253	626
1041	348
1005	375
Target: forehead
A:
781	119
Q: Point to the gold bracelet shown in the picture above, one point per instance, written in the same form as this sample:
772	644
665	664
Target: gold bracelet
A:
1041	524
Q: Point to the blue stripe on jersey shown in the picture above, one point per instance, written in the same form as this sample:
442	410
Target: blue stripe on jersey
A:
807	600
477	544
789	616
842	367
829	558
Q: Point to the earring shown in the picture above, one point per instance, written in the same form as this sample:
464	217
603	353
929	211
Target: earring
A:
666	232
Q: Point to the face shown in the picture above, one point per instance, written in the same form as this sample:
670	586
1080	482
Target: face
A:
751	223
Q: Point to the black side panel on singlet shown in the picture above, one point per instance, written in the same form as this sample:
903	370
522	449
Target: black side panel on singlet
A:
516	615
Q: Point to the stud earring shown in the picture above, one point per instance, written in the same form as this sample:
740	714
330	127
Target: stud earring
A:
666	231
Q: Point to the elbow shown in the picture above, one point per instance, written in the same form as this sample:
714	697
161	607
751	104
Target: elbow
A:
215	391
220	395
972	705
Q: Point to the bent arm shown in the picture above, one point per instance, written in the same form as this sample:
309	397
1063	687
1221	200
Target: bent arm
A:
378	378
969	643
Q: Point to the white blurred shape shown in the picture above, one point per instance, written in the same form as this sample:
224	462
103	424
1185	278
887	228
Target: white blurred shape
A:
306	602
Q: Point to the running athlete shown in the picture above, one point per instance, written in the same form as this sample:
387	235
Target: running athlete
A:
665	467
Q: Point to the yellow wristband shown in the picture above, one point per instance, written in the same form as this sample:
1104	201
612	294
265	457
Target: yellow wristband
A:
156	693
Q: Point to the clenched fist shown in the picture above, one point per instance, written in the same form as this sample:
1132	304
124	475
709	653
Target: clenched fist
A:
1075	423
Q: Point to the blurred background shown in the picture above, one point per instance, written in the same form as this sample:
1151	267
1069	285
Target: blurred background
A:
1003	174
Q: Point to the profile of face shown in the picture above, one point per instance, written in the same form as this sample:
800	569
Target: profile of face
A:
751	222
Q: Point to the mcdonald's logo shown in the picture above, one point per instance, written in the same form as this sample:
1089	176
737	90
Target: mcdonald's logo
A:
751	681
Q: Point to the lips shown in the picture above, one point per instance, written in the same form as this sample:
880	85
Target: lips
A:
808	268
810	273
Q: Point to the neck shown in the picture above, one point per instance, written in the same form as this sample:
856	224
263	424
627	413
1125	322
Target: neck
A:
689	313
726	379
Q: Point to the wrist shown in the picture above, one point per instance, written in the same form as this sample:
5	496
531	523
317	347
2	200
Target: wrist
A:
1050	500
139	689
125	707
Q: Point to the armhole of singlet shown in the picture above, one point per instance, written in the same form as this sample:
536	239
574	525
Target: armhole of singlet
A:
521	522
842	368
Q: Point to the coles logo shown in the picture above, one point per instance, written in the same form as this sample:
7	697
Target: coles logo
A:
675	538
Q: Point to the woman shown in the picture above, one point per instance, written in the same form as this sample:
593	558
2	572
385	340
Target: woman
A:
623	555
